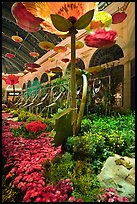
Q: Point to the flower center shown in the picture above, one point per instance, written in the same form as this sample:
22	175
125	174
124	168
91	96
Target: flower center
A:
72	19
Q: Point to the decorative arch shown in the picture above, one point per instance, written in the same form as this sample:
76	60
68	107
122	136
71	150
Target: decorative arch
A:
35	81
104	55
29	88
24	86
58	74
29	84
80	64
35	86
44	78
111	78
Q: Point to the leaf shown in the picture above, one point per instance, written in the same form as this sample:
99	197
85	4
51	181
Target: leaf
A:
60	23
63	127
84	20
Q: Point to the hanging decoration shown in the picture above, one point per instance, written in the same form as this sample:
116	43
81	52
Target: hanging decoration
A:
100	19
45	45
51	59
101	38
29	69
79	45
56	69
32	65
10	55
25	72
34	54
24	19
118	17
60	49
16	38
65	60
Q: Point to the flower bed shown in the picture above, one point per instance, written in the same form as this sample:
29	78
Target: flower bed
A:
24	157
35	171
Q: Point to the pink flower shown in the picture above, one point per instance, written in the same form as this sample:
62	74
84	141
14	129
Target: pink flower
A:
101	38
72	199
80	200
111	200
125	199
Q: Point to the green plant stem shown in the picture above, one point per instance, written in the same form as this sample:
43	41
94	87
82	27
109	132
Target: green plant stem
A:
83	102
73	80
13	93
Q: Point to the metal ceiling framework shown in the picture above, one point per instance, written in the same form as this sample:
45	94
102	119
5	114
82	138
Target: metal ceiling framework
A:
29	43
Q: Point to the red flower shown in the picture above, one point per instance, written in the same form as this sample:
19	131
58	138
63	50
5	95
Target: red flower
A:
35	126
11	79
101	38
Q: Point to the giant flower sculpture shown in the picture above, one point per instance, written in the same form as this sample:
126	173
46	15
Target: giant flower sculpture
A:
63	18
60	18
12	80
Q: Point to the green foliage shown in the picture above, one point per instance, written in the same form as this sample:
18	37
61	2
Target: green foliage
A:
84	20
90	146
118	131
85	182
9	193
60	23
24	115
86	125
14	113
59	168
63	127
102	137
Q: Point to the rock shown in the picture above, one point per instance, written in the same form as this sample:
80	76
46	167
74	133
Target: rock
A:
119	172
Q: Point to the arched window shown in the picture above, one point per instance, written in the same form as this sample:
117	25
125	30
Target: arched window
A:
29	84
44	78
79	63
35	86
113	74
57	74
104	55
29	89
24	86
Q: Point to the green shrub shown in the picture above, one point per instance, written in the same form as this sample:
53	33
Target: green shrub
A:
14	113
90	147
118	131
23	116
85	182
59	168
